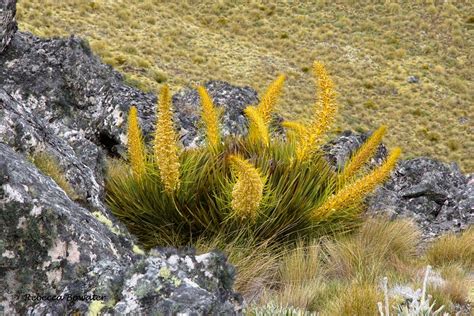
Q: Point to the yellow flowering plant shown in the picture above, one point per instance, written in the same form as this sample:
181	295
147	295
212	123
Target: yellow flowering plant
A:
254	186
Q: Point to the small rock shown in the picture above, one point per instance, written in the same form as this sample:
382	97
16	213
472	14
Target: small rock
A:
413	79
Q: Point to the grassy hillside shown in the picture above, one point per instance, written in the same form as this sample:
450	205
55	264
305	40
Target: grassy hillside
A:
370	50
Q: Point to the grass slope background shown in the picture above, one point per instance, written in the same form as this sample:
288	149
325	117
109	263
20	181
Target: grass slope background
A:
370	51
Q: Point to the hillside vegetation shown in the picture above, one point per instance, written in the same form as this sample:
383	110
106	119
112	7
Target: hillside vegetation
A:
370	51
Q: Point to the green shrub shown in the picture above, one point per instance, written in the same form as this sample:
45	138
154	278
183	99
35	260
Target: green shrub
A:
252	187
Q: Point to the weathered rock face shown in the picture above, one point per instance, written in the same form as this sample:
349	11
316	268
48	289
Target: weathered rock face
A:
21	128
339	150
60	81
58	257
8	25
436	195
230	99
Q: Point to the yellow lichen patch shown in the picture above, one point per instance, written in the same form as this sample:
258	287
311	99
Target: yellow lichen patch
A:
248	190
136	147
165	146
107	222
354	192
138	250
95	307
210	118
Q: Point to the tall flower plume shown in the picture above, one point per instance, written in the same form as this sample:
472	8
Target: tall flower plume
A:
136	147
247	192
325	113
300	134
165	146
210	118
258	130
364	153
269	99
354	192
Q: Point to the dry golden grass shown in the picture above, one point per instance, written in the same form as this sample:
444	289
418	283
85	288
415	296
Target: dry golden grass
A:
370	50
342	276
257	266
300	277
356	299
455	289
452	249
50	167
378	247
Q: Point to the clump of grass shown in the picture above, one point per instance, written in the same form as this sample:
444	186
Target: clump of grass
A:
256	263
452	249
456	286
49	165
379	246
300	279
356	299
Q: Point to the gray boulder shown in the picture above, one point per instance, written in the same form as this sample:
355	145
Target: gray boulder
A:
435	194
61	254
339	150
8	24
58	257
78	97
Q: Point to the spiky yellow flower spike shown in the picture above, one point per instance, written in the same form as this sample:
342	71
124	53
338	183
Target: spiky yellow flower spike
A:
248	190
326	105
268	102
325	113
299	134
365	152
258	130
210	118
354	192
165	146
136	147
298	129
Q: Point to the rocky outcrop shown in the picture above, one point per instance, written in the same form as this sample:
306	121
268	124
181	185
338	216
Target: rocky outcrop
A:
61	254
64	84
340	149
435	194
8	25
58	257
